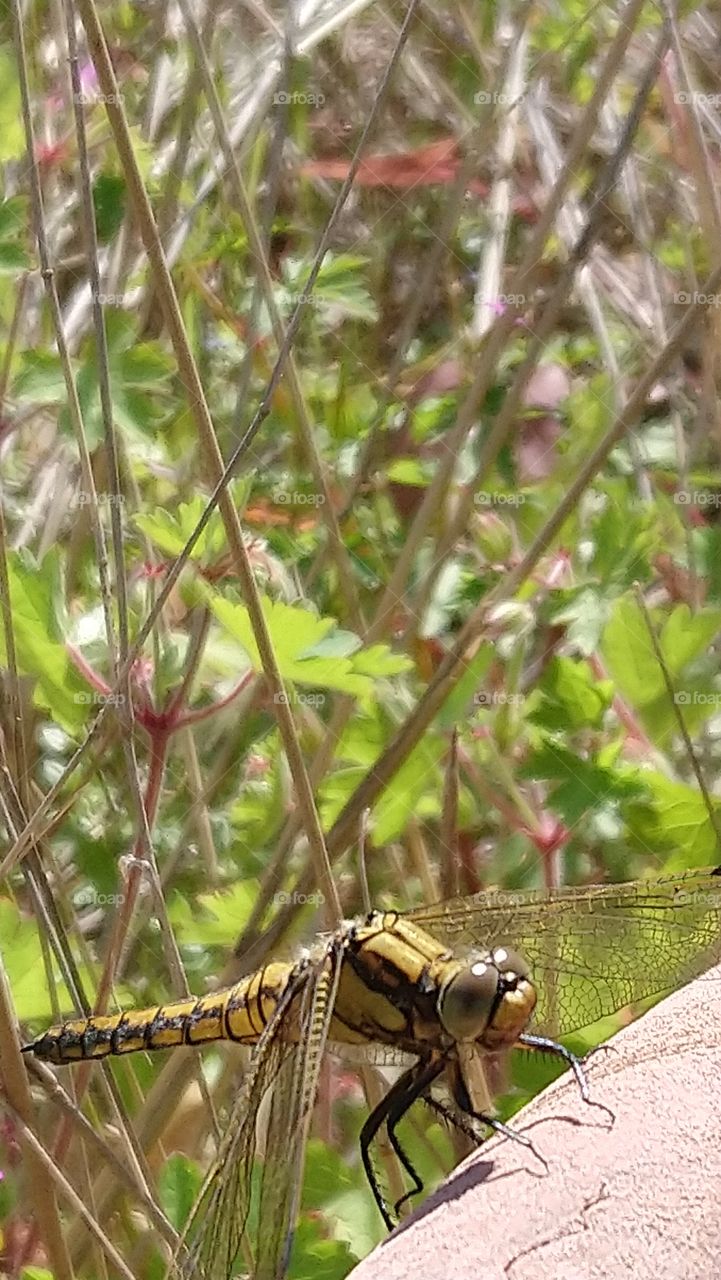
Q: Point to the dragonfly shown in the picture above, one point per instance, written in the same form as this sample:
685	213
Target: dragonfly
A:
447	989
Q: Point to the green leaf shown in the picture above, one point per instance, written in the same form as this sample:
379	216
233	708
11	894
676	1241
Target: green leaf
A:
294	632
572	698
339	644
408	471
580	785
179	1184
39	379
12	136
214	919
139	374
458	706
34	590
13	258
22	956
415	789
315	1257
170	530
674	818
631	660
339	288
13	218
326	1175
379	661
706	555
584	618
109	203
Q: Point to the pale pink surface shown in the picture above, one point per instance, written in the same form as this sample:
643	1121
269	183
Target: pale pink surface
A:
640	1199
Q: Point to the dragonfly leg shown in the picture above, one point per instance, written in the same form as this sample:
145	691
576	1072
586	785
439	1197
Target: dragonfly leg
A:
411	1085
543	1044
464	1108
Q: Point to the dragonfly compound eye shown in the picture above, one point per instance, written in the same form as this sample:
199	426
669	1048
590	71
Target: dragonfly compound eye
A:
490	1000
510	964
467	1000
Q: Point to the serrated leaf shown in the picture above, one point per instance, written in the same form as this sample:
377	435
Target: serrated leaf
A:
215	919
631	661
380	661
294	632
579	785
584	619
39	379
572	697
415	789
674	818
170	530
33	591
339	286
339	644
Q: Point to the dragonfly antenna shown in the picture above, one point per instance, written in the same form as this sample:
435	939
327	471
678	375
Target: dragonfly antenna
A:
362	865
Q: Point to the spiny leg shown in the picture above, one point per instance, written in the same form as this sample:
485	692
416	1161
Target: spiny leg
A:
462	1099
395	1115
543	1044
390	1110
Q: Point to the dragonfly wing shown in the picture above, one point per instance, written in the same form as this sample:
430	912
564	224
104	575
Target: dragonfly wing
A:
291	1109
290	1070
594	950
215	1232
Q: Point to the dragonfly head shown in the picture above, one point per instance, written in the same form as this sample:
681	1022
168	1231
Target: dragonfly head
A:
490	1000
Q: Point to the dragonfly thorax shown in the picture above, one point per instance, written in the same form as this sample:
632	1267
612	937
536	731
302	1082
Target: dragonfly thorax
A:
490	1000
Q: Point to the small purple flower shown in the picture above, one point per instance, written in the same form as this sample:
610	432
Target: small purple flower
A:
88	76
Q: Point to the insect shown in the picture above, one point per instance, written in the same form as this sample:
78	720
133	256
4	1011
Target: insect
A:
444	987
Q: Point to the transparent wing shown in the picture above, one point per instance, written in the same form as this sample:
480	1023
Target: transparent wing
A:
291	1110
593	950
215	1235
372	1054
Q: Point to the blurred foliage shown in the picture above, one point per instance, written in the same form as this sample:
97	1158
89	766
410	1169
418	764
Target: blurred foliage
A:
557	750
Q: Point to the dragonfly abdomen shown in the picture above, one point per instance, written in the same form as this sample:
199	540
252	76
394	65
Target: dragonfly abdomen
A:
239	1013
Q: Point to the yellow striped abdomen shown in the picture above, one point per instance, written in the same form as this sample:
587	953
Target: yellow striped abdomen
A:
237	1013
